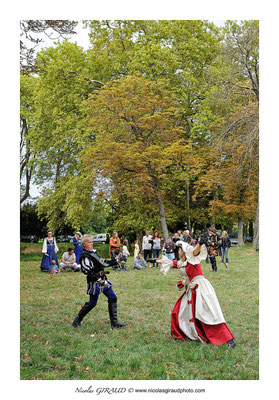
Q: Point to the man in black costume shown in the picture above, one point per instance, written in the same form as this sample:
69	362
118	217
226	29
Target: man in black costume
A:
93	266
213	242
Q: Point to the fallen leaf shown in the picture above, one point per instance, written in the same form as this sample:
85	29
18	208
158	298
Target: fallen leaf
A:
47	342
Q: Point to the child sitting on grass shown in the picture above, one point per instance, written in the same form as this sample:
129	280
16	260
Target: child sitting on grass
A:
54	268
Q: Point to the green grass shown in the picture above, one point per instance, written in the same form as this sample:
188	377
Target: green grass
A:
52	349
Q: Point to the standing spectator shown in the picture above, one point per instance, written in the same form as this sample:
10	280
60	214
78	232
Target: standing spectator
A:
147	245
139	262
136	250
175	239
78	247
187	238
180	236
69	261
114	245
169	248
156	249
226	244
125	250
49	249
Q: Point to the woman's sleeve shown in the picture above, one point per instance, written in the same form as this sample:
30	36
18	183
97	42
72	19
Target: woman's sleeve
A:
74	241
56	248
166	265
44	246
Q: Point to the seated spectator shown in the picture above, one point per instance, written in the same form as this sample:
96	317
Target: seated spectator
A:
69	261
121	259
139	262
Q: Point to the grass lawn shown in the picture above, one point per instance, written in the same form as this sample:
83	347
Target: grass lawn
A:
52	349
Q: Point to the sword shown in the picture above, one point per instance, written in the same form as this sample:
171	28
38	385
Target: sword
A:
223	261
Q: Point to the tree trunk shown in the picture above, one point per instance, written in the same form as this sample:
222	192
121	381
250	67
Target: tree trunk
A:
188	207
256	232
204	227
240	232
251	230
244	232
26	194
161	210
162	216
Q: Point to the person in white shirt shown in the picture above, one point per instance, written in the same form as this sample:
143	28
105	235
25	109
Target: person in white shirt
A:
125	250
69	261
147	245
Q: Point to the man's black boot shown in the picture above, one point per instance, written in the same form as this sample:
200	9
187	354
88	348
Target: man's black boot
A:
112	307
83	312
231	343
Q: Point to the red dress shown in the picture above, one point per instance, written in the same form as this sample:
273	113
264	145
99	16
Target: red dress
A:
184	321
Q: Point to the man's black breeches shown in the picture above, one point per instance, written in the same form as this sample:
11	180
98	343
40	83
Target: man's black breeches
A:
213	262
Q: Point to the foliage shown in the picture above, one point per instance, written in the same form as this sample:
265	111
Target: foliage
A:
28	31
137	138
30	223
230	116
171	138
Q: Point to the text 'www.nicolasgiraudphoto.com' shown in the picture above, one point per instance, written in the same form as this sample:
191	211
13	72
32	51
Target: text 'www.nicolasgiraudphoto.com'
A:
121	390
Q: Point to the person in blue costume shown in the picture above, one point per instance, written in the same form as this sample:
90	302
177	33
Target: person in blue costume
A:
78	247
49	249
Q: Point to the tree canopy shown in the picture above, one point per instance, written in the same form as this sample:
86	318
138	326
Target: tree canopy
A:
157	124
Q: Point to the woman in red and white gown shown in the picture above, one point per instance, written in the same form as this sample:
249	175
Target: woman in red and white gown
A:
197	314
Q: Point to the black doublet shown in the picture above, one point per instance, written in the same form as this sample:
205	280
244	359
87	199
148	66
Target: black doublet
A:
97	265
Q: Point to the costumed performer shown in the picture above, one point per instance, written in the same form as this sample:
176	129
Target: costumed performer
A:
49	249
78	247
93	267
197	314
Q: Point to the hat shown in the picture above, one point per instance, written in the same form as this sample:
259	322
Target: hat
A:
213	230
78	233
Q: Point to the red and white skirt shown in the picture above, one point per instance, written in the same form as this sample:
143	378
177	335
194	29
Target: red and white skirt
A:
197	315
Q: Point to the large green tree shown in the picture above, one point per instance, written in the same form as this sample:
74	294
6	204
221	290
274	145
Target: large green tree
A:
230	116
